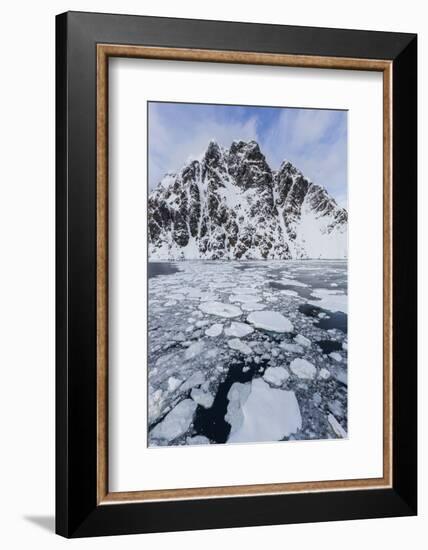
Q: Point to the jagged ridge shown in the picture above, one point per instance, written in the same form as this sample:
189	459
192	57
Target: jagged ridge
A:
231	205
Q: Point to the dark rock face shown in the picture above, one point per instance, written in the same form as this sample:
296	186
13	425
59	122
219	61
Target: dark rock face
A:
248	166
231	205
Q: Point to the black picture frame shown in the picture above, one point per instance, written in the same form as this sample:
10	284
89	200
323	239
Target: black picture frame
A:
78	513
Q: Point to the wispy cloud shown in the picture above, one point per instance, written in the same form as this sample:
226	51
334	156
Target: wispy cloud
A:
313	140
316	142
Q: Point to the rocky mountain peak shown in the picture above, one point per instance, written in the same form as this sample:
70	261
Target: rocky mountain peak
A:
214	153
231	205
246	148
288	168
247	164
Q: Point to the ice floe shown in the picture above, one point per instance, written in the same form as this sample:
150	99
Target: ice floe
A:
176	422
203	398
292	282
333	300
214	330
270	320
196	379
289	292
324	374
194	350
240	346
252	306
302	340
198	440
341	376
245	290
276	375
202	323
267	414
176	296
237	396
238	329
303	368
244	298
220	309
337	428
154	402
335	407
173	383
291	348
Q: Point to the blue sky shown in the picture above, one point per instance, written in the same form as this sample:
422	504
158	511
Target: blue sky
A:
314	140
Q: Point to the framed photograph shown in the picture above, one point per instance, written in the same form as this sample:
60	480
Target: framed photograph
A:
236	274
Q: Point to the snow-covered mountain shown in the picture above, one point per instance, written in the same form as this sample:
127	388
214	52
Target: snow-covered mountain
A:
231	205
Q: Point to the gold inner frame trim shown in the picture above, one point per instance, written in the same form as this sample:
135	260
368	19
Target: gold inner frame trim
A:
104	51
